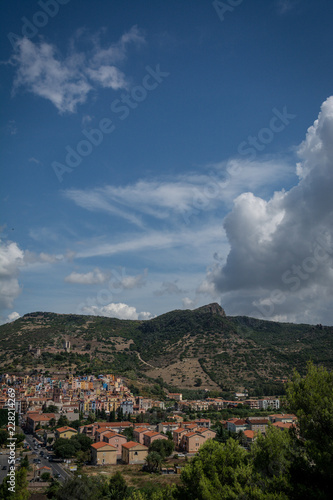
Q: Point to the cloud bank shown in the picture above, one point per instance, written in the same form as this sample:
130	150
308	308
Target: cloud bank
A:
280	262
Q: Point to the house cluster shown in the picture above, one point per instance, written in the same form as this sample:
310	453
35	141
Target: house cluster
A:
109	394
87	394
251	426
268	403
110	445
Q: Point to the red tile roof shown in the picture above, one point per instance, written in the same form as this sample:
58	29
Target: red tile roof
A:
66	428
101	444
132	444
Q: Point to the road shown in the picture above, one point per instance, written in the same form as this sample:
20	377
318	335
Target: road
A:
3	461
56	467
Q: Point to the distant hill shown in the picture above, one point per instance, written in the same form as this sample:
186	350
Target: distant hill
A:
187	349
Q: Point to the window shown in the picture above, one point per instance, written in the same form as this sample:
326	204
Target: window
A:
135	453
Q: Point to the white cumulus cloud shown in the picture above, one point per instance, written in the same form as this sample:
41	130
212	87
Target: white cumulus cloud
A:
280	261
116	310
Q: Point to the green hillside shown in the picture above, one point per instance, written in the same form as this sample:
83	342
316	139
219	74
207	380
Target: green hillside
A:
187	349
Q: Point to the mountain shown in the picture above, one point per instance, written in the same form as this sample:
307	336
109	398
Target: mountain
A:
187	349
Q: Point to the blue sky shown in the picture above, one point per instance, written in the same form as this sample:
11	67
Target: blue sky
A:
163	155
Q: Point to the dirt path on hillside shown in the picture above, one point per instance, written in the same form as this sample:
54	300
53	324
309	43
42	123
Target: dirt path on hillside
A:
144	362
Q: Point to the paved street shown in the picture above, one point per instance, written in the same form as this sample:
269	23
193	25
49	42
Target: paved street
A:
56	467
3	461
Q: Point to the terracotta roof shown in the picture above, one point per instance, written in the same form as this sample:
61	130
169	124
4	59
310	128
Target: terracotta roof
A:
152	433
66	428
43	417
114	424
140	429
101	444
132	444
249	434
283	425
112	434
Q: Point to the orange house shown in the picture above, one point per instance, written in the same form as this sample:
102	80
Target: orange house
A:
208	434
192	442
116	440
138	434
103	454
178	435
65	432
151	436
134	453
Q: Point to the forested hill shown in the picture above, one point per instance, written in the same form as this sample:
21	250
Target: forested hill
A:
186	348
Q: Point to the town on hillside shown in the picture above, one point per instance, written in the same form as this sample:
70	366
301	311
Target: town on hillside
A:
89	422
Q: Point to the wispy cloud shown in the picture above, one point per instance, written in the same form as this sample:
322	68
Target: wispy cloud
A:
91	278
11	127
67	80
284	6
162	198
169	288
156	240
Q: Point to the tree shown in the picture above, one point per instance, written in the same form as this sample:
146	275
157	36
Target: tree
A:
21	487
52	489
272	456
84	441
19	438
92	488
51	409
3	437
91	418
169	492
25	462
52	422
45	476
112	417
222	435
164	447
129	433
66	448
311	399
198	382
221	471
118	487
63	421
153	460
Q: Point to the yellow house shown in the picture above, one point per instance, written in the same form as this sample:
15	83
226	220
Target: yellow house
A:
133	453
65	432
103	454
